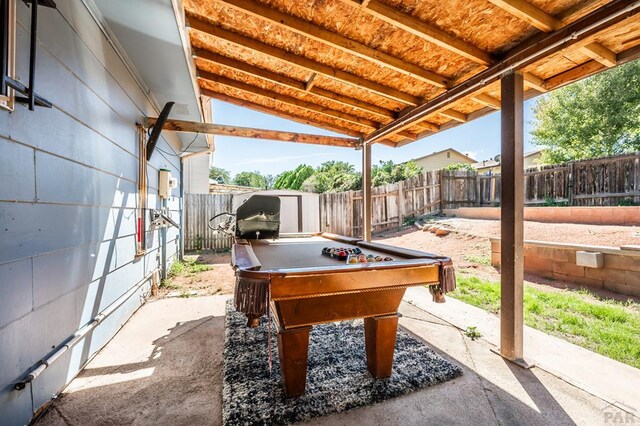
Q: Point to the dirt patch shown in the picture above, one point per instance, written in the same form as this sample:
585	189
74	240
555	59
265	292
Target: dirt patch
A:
218	279
570	233
469	246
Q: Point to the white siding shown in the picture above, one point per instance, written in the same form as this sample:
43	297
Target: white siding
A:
196	174
440	160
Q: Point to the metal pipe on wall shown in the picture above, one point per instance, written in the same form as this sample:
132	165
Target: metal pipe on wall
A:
163	245
79	334
181	204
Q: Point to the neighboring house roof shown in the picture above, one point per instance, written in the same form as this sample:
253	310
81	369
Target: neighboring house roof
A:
470	160
486	164
219	188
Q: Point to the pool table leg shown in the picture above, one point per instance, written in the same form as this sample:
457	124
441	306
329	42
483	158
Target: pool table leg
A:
380	342
293	348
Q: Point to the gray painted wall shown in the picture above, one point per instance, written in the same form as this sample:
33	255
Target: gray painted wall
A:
67	204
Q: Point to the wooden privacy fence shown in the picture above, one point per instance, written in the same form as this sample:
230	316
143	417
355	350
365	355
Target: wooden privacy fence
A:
198	209
341	213
599	182
606	181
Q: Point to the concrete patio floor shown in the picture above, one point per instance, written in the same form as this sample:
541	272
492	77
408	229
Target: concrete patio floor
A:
165	367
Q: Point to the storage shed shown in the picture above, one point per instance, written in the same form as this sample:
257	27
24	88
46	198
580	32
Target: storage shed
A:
300	211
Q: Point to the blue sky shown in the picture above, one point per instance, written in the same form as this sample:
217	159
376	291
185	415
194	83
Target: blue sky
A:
479	138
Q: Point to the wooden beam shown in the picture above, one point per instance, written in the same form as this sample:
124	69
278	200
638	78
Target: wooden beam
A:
290	100
535	82
426	31
253	133
337	41
300	103
548	23
286	115
530	14
301	62
454	115
576	73
309	84
427	126
600	53
487	100
291	83
367	209
511	223
526	53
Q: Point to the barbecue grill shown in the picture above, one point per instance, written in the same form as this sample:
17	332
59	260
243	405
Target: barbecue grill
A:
257	218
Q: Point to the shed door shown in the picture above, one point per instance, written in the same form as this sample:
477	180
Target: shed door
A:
289	215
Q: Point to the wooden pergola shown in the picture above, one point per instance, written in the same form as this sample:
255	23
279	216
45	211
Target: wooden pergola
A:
394	71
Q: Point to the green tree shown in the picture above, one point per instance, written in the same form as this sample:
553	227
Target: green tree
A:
219	175
333	176
388	172
252	179
596	117
293	179
459	166
269	181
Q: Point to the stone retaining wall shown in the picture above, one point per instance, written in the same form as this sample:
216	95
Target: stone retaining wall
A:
616	215
620	272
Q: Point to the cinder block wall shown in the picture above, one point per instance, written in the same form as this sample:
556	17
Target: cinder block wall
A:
67	204
620	273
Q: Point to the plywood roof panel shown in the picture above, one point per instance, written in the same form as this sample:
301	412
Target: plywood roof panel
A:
370	63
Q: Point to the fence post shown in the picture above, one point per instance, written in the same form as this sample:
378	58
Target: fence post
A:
478	195
425	203
572	179
441	175
636	180
400	203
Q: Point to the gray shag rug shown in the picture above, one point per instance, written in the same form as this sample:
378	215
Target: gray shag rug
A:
337	375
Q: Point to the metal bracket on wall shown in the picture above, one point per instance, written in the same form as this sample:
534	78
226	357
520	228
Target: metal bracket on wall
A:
29	96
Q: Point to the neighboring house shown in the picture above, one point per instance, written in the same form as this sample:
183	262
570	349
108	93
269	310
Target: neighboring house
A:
73	182
531	159
441	159
196	174
486	167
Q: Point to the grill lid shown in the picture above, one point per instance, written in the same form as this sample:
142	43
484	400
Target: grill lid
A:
258	217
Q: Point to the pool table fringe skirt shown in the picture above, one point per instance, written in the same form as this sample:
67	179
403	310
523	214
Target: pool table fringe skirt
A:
252	295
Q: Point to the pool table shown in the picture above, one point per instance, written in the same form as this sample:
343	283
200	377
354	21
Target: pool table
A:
300	287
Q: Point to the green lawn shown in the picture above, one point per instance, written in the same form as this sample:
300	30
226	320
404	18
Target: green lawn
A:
608	327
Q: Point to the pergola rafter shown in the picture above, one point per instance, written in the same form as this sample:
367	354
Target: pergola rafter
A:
337	41
254	133
548	23
519	57
301	61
